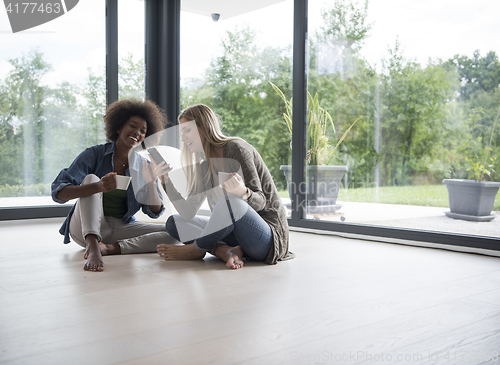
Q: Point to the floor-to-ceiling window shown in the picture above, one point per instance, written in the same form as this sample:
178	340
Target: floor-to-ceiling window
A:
53	92
231	56
411	89
131	49
52	87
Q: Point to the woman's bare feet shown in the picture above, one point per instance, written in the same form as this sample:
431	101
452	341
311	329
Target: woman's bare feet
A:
94	258
232	255
174	252
106	249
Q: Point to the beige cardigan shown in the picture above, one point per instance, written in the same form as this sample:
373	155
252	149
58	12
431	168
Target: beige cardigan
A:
264	198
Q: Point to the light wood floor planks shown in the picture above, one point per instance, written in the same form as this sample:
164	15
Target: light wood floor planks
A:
341	301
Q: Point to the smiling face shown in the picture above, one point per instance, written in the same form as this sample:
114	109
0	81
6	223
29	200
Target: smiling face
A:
133	132
191	135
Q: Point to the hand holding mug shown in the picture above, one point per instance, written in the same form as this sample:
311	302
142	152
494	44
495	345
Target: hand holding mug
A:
107	182
235	185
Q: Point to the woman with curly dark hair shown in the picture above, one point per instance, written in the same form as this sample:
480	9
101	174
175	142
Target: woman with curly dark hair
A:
102	220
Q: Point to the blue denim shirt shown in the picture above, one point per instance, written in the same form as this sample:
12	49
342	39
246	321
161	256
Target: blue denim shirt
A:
98	160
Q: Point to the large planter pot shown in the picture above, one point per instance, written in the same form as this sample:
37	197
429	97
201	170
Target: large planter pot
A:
471	200
321	187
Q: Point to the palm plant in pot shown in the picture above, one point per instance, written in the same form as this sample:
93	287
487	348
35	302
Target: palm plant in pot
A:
473	199
322	179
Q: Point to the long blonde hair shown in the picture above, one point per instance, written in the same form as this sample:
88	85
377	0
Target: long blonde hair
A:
209	124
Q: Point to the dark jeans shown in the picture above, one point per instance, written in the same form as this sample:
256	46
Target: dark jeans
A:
247	229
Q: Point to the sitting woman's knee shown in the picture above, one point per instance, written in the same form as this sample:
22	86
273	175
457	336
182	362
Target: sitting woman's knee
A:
170	226
90	179
238	206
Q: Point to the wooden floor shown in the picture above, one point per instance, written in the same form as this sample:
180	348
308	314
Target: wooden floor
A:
340	301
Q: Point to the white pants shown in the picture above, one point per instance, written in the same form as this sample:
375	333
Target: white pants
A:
88	218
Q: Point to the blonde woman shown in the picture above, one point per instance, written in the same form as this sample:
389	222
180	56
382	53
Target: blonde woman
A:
247	217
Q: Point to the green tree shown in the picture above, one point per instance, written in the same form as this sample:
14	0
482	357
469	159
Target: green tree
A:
43	128
94	106
64	125
10	139
131	77
476	73
413	119
26	96
345	25
479	79
346	84
237	87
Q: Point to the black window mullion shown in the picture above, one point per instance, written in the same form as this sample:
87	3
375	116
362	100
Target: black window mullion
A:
163	59
299	109
111	51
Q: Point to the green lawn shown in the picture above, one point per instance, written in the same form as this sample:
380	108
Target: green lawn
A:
422	195
9	191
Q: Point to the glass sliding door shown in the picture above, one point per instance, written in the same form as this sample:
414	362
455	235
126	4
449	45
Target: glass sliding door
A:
410	92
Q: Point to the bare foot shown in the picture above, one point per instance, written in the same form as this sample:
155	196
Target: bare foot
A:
102	247
94	260
232	255
185	252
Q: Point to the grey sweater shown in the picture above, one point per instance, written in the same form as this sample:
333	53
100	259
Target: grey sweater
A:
264	198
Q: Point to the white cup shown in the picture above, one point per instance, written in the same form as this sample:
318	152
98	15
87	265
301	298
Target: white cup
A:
223	176
122	182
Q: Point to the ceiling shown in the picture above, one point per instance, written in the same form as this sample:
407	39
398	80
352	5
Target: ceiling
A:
226	8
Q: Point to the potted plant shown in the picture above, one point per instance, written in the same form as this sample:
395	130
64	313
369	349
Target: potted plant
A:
322	180
473	199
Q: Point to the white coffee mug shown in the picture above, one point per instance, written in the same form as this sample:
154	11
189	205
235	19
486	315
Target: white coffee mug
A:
122	182
223	176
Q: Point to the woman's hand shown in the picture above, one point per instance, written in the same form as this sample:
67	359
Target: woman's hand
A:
235	185
107	182
152	171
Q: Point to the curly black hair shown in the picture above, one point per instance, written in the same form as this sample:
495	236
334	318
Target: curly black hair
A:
120	111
